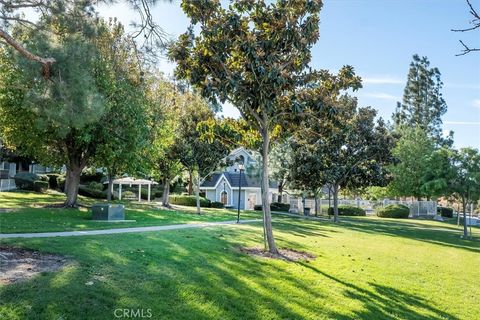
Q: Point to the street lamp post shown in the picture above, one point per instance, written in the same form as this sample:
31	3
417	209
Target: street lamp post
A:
241	168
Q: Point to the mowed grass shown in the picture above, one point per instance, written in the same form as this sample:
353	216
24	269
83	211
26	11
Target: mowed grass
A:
364	269
26	216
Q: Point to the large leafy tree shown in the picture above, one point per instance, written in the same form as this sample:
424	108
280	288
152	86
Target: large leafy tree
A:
123	135
254	55
199	155
467	182
412	152
341	146
423	104
65	113
162	161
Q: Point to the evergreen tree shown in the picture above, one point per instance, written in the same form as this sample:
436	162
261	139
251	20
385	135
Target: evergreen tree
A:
423	104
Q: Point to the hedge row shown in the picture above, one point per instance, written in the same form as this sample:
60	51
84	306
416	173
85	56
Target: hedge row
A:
348	211
191	201
393	211
445	212
274	206
27	180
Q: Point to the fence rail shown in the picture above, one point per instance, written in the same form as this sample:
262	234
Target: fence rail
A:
417	208
7	184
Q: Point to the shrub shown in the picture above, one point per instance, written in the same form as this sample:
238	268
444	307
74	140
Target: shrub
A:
61	182
216	204
91	193
191	201
157	193
277	206
393	211
258	207
26	180
40	186
128	195
52	180
95	186
445	212
348	211
90	176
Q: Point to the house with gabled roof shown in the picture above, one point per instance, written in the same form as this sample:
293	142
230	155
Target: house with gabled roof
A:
224	186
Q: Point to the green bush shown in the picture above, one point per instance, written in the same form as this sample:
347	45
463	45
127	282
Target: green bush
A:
393	211
128	195
26	180
445	212
191	201
348	211
157	192
52	180
40	186
216	204
61	182
277	206
91	193
95	186
91	176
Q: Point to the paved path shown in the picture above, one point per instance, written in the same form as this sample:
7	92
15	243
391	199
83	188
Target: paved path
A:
120	230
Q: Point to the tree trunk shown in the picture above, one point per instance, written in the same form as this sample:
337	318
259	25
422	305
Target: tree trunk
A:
335	203
280	191
458	214
71	184
316	205
267	217
197	192
465	229
110	187
190	182
166	193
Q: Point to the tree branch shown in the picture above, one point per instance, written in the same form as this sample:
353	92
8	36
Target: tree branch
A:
45	62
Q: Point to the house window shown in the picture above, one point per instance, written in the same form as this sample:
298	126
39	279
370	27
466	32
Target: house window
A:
224	198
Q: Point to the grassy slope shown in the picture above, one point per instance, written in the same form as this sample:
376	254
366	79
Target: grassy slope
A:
365	269
27	218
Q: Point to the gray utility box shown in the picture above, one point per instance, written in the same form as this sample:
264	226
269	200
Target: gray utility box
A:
108	212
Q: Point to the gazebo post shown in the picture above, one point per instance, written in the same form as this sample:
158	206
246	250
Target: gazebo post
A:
119	191
149	190
139	192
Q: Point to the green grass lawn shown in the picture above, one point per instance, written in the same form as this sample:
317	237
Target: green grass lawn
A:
365	268
368	269
27	217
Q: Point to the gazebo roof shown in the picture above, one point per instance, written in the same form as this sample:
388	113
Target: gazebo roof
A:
130	180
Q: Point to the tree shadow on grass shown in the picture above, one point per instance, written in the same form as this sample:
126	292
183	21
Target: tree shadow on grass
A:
195	274
383	302
444	235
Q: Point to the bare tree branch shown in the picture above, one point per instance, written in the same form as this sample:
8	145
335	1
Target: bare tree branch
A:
476	25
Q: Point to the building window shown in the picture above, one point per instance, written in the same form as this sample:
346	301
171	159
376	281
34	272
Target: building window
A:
224	198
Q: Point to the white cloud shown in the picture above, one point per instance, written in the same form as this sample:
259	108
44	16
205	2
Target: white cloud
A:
463	123
382	80
381	95
476	103
453	85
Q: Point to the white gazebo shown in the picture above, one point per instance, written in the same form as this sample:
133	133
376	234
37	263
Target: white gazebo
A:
132	181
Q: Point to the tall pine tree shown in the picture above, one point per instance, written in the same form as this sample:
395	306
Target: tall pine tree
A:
423	104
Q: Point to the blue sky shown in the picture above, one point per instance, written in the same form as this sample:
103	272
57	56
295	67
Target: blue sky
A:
378	38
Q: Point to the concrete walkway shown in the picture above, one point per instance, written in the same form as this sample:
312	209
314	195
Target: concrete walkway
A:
121	230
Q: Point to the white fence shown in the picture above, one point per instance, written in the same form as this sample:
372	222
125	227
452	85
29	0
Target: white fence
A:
417	208
7	184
